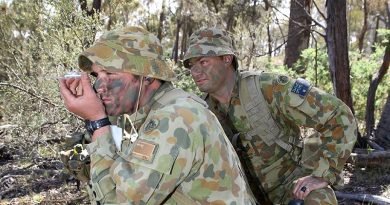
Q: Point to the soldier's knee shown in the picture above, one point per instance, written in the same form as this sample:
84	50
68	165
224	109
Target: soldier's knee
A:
324	196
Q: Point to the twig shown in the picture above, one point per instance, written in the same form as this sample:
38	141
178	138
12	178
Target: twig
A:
319	10
63	200
30	93
375	145
364	198
8	126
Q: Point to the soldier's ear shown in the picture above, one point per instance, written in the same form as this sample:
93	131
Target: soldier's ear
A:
228	59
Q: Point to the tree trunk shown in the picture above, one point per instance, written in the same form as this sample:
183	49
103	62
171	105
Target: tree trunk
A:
387	22
375	40
337	44
298	31
175	51
161	22
231	21
186	32
364	29
253	47
382	133
370	106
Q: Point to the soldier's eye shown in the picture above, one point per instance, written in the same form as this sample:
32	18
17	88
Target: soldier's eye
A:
203	62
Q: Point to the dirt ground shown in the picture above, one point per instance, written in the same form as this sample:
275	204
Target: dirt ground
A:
29	178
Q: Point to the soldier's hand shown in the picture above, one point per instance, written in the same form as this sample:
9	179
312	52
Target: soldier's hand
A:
87	105
74	86
305	185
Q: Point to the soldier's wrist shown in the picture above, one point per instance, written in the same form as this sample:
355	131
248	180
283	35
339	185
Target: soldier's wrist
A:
92	125
327	176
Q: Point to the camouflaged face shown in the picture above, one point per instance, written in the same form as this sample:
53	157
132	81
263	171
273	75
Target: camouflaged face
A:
130	49
209	42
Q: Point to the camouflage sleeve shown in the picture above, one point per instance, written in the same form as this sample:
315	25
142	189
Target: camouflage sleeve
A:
304	105
168	150
103	154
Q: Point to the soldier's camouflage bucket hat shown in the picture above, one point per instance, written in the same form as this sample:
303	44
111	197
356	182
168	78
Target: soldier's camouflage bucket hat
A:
130	49
209	42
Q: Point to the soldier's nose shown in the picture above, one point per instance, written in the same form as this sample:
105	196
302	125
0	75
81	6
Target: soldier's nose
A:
195	70
100	87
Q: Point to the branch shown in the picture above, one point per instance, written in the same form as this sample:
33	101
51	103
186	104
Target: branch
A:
376	158
364	198
319	11
374	145
8	126
372	155
297	23
30	93
275	49
370	103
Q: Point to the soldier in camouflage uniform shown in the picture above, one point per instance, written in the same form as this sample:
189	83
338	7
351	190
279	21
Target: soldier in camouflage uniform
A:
267	110
172	150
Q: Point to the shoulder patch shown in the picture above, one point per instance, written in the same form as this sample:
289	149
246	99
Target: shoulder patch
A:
152	124
282	79
301	87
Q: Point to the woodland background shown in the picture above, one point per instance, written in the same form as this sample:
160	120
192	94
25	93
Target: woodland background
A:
341	46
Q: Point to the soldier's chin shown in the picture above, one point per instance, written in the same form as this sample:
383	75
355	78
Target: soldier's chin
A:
203	89
111	112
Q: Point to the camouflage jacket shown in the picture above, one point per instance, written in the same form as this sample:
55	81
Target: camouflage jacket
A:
181	148
330	117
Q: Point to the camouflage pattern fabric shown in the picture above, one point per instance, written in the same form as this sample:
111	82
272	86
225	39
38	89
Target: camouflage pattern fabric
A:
130	49
189	153
292	106
77	162
209	42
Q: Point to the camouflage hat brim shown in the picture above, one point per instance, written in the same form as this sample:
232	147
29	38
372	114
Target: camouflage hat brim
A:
129	49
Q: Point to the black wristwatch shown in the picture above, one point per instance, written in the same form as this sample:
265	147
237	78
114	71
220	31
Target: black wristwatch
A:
91	126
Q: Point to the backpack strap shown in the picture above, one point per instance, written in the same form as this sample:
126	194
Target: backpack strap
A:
258	113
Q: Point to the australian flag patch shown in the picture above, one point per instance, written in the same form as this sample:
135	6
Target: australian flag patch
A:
301	87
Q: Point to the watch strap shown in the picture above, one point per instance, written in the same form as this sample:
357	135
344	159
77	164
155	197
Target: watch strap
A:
93	125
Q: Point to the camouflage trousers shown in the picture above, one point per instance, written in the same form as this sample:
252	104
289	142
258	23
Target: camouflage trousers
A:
283	193
309	160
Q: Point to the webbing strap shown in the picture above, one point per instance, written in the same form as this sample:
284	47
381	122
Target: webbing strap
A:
258	113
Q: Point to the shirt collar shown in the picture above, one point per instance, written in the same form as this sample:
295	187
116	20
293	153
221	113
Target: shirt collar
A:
139	117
